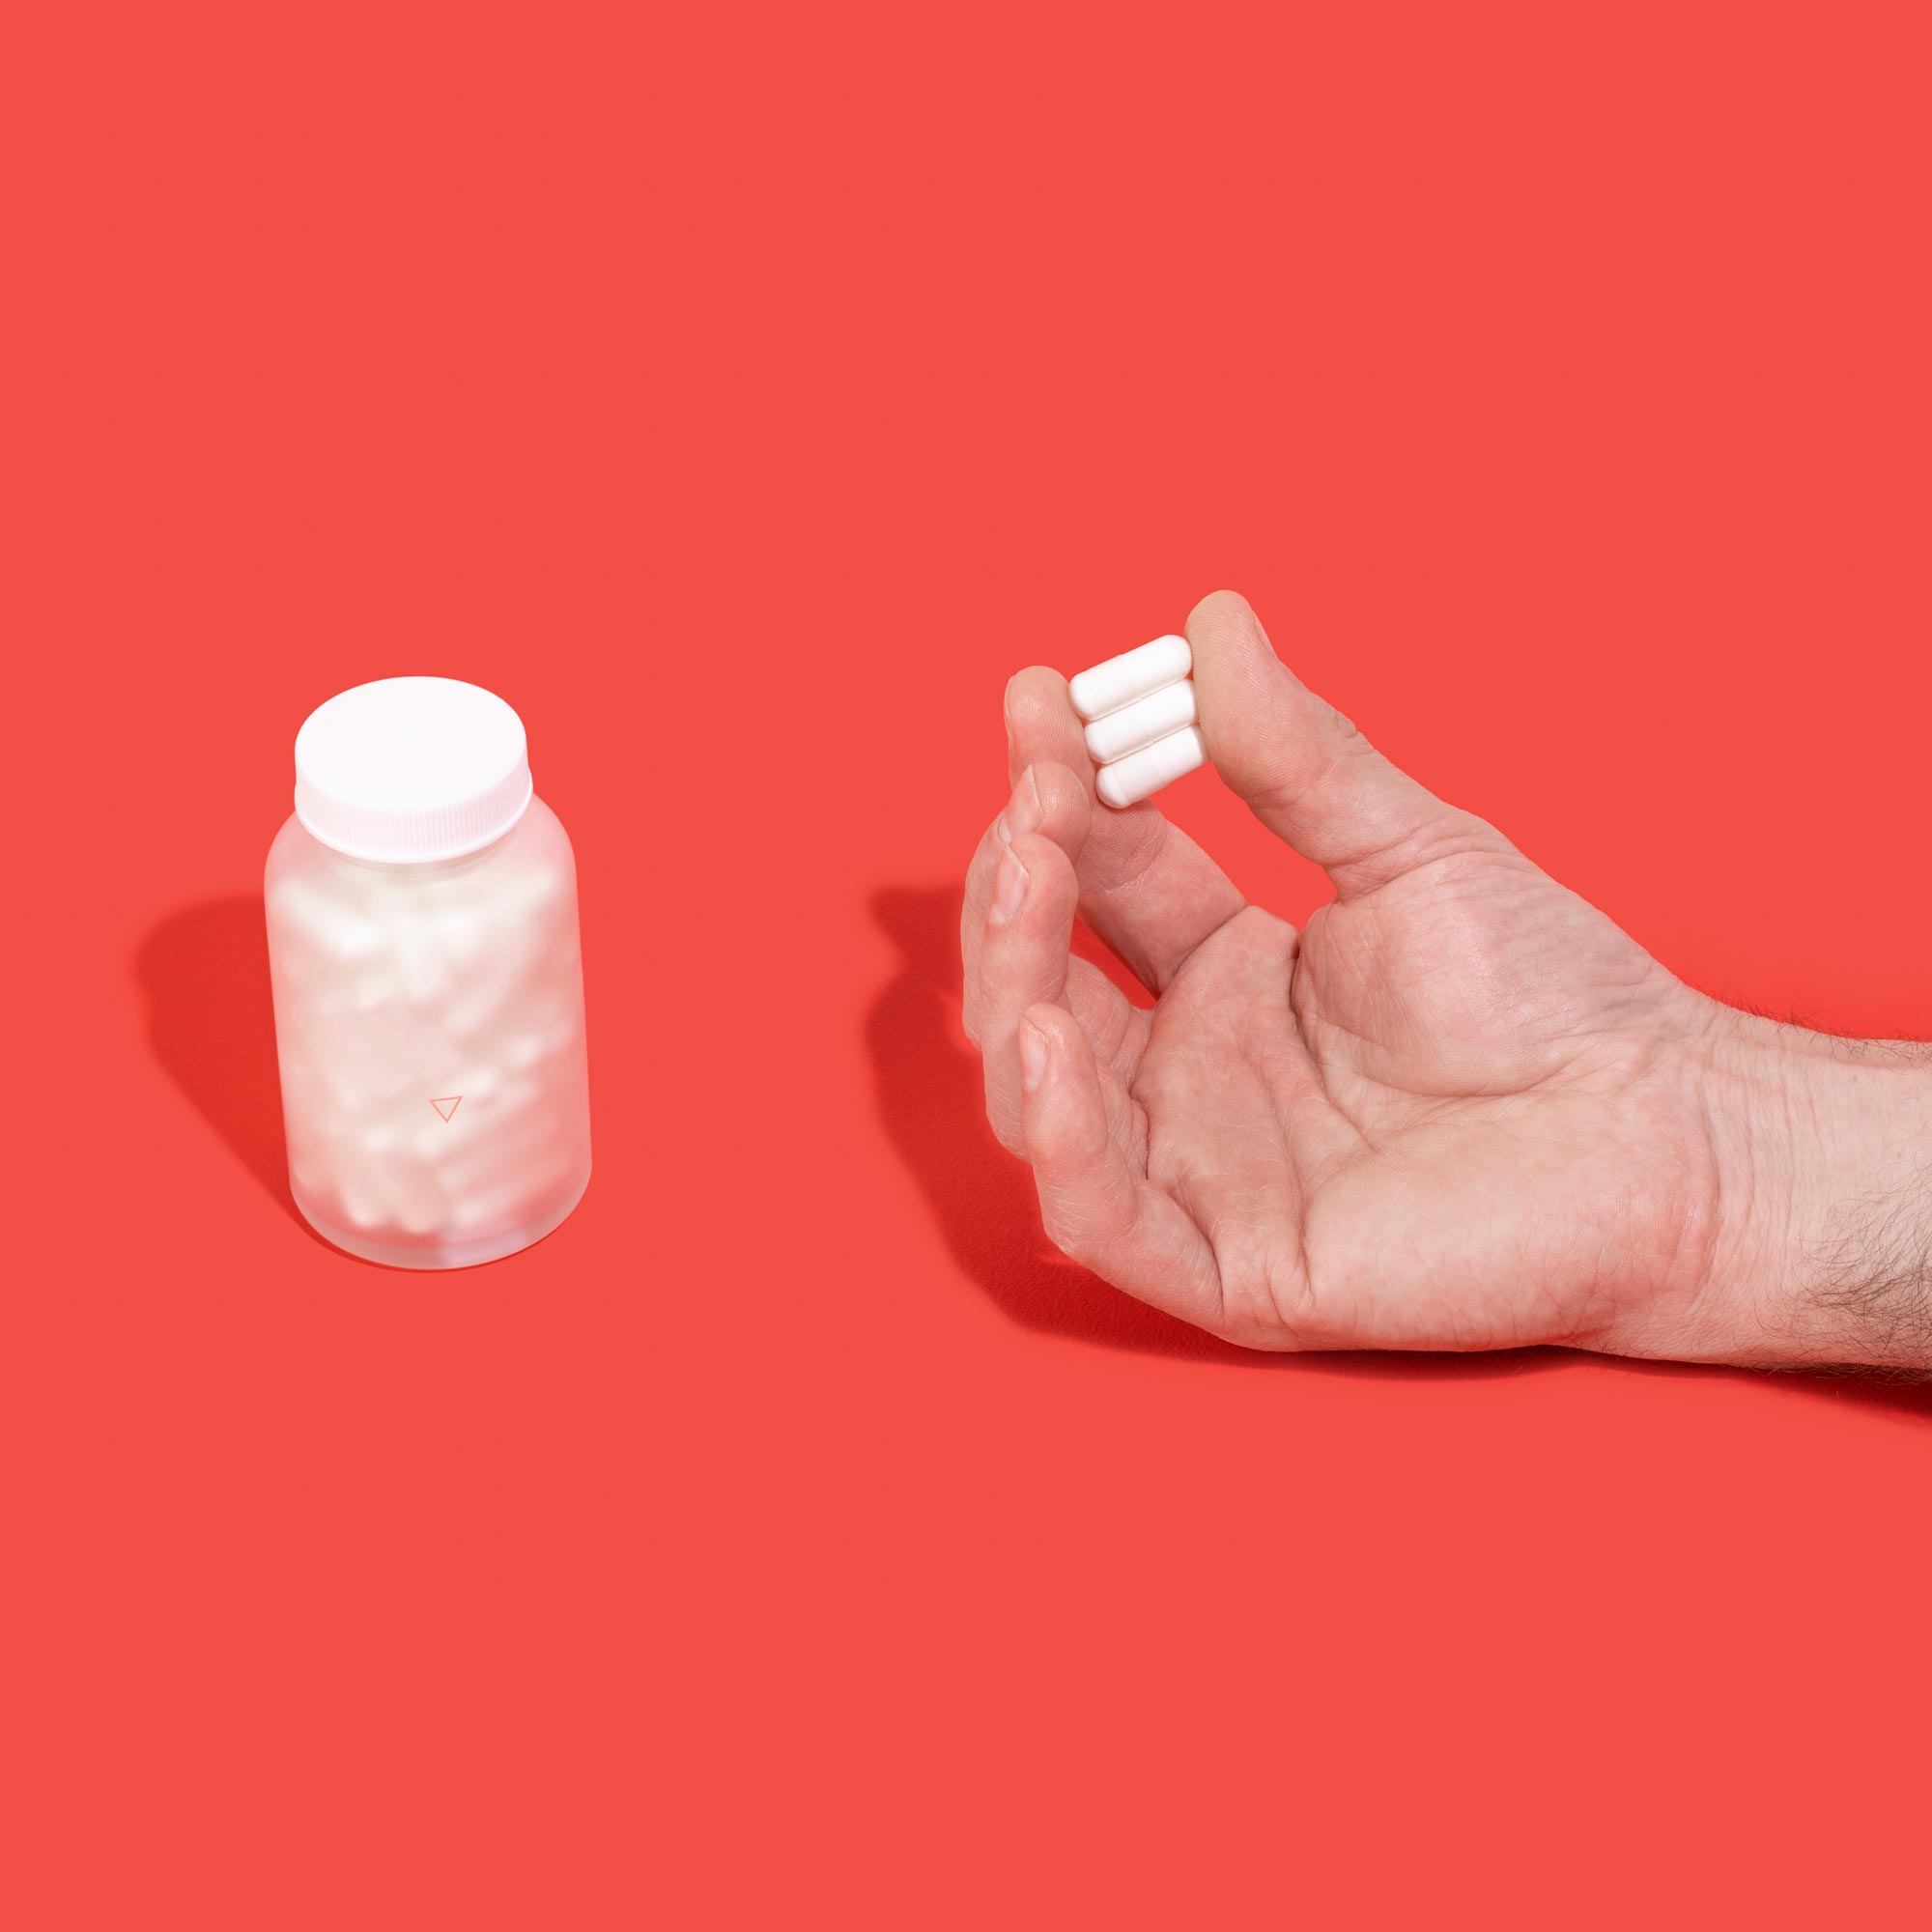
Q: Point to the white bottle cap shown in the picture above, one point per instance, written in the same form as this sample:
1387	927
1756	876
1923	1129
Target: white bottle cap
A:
411	768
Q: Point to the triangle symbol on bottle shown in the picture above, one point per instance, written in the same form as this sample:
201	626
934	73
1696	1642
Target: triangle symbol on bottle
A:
447	1105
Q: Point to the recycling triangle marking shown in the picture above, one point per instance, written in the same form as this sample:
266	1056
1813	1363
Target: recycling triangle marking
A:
447	1105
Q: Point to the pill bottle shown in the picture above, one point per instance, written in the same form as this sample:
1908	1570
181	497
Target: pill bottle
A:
428	982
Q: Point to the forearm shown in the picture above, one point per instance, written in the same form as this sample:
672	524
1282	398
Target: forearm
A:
1823	1248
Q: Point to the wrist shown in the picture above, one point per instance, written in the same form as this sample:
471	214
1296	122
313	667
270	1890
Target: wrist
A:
1822	1246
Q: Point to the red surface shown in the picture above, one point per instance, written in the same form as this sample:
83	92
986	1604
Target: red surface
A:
789	1540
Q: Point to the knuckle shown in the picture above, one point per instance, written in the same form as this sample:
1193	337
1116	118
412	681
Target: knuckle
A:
1090	1222
1062	797
1347	733
1068	1232
1063	1238
1267	1301
1246	1313
1134	855
1063	1230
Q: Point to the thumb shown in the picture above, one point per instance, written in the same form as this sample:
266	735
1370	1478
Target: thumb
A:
1306	773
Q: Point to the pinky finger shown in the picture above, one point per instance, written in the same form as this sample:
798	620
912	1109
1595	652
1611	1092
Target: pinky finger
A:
1096	1206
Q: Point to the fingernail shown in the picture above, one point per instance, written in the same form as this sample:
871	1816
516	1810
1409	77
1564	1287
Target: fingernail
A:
1023	811
1008	887
1033	1056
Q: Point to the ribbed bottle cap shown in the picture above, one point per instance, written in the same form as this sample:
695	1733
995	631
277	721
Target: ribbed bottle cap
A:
411	768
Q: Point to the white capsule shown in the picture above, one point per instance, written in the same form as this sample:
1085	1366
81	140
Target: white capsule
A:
1130	675
1141	722
362	1209
1142	773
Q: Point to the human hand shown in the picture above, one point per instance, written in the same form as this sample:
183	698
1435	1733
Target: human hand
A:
1458	1109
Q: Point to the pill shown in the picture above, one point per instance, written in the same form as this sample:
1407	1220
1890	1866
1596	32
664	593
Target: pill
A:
1141	722
1141	774
1108	686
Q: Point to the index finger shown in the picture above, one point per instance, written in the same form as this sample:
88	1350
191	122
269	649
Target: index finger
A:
1146	888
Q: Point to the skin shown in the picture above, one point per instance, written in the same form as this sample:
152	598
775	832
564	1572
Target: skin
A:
1458	1109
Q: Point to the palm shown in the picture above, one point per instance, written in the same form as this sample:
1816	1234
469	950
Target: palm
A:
1445	1085
1440	1115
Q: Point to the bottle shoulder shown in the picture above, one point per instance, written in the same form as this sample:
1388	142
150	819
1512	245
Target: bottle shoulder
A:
534	849
544	823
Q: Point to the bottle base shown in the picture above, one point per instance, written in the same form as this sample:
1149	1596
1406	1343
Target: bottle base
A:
445	1255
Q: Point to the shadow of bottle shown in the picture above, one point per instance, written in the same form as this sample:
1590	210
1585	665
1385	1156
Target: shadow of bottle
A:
204	972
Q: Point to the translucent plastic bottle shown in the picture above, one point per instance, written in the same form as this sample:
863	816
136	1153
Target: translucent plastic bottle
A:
428	988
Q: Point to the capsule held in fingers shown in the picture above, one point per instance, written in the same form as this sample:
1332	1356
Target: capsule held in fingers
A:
1121	680
1141	722
1141	774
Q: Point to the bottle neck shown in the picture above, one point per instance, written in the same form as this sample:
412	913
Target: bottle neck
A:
408	868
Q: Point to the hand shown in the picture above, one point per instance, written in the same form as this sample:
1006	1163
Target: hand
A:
1458	1109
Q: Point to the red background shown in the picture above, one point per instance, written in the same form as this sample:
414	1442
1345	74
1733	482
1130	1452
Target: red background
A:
744	395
